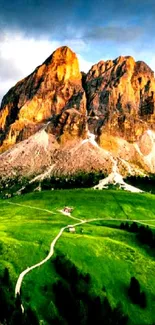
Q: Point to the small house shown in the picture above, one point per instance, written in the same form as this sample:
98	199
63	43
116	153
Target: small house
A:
72	230
8	196
68	210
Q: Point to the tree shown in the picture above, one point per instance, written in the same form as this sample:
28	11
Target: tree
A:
136	296
134	290
17	318
6	278
18	302
51	313
31	317
143	302
134	227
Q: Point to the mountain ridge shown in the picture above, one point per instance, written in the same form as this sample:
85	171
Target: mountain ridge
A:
114	101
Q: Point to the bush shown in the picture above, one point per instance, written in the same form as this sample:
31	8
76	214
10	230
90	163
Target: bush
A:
136	296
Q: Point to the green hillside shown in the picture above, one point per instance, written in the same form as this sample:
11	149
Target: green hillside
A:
110	255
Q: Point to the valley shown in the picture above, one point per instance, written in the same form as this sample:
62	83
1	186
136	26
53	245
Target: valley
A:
83	141
77	162
110	255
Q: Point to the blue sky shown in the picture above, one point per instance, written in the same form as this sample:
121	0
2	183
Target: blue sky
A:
30	30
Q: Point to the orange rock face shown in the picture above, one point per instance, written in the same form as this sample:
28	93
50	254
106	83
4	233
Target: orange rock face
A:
121	97
45	93
57	105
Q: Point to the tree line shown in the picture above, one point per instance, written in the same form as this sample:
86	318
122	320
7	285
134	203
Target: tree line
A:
145	183
10	307
144	233
75	302
78	180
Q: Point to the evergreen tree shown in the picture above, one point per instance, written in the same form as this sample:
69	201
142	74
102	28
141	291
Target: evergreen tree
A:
134	290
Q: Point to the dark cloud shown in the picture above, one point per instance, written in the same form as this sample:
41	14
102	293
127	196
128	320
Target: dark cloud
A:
77	23
114	33
53	17
37	16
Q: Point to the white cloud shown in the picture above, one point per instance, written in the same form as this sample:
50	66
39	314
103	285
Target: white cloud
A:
4	87
20	55
84	64
152	63
26	53
141	54
76	44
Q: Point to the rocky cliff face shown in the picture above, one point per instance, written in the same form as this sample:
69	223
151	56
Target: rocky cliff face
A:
53	90
121	98
115	101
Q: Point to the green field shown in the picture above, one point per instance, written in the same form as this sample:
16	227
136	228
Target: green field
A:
110	255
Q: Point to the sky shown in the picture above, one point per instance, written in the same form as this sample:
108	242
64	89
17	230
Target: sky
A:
30	30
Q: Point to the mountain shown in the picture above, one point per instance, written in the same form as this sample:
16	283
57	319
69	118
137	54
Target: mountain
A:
59	120
55	90
121	94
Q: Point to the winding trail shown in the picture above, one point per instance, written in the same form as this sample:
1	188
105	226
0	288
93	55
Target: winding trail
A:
51	252
31	207
53	243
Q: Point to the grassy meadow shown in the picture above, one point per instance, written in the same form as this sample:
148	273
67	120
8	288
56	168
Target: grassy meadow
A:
111	256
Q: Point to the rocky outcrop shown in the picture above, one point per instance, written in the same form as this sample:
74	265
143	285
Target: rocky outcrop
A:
41	154
50	92
29	157
121	98
69	121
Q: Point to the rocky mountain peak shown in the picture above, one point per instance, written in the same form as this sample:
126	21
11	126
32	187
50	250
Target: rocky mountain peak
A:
114	102
142	68
65	63
49	90
121	94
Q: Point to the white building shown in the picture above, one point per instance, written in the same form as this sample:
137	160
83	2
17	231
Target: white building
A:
71	229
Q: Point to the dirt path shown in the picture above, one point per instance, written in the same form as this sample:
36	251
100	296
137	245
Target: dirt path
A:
53	243
31	207
51	252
